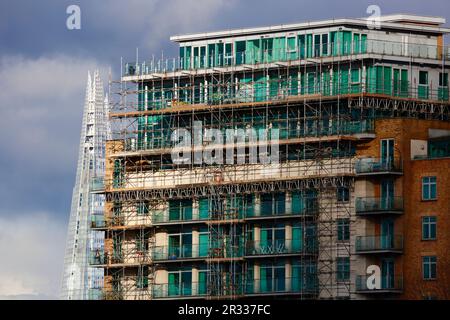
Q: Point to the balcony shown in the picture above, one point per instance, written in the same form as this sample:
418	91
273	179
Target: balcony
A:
98	258
389	284
371	206
179	290
281	247
257	57
185	252
98	222
96	294
374	166
307	285
97	184
306	209
379	244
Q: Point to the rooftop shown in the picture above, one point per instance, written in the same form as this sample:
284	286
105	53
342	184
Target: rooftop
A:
404	22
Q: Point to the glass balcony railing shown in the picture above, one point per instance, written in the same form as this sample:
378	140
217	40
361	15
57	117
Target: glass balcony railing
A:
98	221
392	283
258	56
175	290
307	285
96	294
379	205
98	257
97	184
376	166
308	207
180	252
296	130
375	244
282	246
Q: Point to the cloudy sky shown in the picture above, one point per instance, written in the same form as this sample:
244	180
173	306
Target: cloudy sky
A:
43	71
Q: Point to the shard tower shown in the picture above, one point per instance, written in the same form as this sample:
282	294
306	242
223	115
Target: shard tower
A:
79	280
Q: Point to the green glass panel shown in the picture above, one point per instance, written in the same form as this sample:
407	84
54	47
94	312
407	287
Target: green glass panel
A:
347	42
203	208
292	49
363	43
202	283
182	57
297	203
302	46
240	52
326	83
356	43
387	80
297	239
187	57
219	54
279	49
344	85
311	83
309	45
355	79
174	284
203	245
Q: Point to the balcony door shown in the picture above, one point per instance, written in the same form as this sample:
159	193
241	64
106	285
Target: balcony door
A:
180	245
387	152
272	240
273	278
387	234
387	274
387	194
180	283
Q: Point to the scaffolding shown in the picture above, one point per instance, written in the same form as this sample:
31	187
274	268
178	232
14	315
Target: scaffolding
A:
323	109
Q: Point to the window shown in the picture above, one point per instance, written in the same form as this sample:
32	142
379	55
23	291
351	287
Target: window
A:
291	45
343	194
443	79
429	188
142	208
317	45
423	77
343	269
343	229
429	267
423	91
429	228
325	44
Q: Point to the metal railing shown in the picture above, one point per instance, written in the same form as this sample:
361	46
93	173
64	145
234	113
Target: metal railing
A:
379	243
387	283
169	290
308	284
376	165
367	205
282	246
180	252
255	57
162	138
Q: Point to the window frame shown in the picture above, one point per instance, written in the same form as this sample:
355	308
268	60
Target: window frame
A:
343	269
343	229
427	266
432	181
427	224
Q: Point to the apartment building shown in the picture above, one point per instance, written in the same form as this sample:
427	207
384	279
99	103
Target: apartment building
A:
350	181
